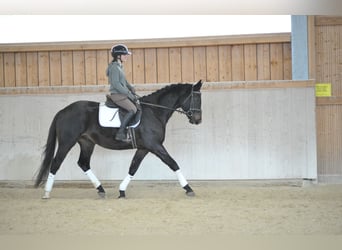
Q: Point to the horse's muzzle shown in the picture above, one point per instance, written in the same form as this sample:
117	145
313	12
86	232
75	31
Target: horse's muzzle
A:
196	119
196	122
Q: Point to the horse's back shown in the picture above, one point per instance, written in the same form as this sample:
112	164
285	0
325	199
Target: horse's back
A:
77	114
80	107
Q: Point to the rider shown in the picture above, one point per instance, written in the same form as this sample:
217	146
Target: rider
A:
121	91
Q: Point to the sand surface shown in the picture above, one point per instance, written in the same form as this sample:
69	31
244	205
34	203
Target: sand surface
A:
161	208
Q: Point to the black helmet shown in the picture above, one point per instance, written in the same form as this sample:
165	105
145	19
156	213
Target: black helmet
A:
120	49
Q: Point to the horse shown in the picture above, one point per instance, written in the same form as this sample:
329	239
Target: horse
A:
78	123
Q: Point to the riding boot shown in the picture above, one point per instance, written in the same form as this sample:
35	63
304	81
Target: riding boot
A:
121	135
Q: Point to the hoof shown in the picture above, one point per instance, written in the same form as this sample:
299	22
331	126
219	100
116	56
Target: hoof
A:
122	195
190	193
102	194
46	195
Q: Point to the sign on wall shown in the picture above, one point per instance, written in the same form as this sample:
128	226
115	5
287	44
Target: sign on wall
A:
323	89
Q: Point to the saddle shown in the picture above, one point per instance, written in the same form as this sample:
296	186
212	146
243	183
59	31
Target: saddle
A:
110	115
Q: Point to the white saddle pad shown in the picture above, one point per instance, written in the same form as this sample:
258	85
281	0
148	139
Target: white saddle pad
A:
109	117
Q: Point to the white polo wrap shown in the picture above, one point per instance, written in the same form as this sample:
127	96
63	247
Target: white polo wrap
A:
93	178
125	182
49	182
181	178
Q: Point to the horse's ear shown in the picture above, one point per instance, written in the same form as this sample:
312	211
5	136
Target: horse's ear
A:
198	85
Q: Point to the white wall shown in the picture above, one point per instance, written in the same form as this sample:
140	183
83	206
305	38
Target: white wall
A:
245	134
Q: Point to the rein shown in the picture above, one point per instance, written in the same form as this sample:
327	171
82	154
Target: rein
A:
179	110
163	107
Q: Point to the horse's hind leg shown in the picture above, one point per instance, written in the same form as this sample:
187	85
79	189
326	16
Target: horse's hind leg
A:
87	148
61	153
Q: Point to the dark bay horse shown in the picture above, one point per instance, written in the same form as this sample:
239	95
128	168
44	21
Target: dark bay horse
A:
78	123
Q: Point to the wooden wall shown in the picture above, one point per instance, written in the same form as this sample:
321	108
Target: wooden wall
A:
328	57
212	59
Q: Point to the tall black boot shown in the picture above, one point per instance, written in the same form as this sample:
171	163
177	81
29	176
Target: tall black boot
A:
121	135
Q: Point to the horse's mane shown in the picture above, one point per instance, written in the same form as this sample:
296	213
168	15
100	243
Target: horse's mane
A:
176	88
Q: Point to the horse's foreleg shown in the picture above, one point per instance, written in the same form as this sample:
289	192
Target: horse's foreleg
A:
167	159
96	183
137	159
183	182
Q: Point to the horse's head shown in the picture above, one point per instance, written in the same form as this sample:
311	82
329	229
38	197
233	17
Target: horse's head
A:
192	104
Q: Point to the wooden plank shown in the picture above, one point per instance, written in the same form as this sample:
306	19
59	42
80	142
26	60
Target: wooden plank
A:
287	61
263	62
2	74
43	69
32	68
20	69
101	66
55	68
138	66
187	61
277	65
200	63
175	65
9	69
150	66
163	65
78	67
238	64
90	67
225	63
212	64
67	68
250	54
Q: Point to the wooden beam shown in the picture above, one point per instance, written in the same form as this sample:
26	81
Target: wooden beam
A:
333	100
271	84
150	43
328	20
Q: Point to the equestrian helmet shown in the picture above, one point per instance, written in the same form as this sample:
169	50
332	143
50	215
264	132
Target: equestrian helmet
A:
120	49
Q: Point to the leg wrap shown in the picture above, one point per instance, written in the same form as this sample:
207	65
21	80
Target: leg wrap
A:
181	178
49	183
93	178
125	182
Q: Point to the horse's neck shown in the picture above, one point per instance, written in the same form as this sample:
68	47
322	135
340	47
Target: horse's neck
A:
168	100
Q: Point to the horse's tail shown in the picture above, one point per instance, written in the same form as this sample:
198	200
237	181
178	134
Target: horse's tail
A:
47	154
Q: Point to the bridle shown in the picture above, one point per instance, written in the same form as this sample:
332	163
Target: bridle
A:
189	112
